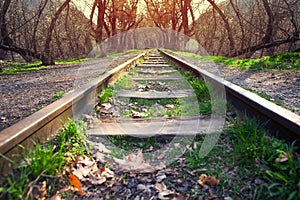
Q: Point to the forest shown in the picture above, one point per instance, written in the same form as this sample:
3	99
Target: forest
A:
49	30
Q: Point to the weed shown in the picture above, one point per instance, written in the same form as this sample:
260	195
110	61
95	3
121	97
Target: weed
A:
44	161
20	67
122	145
123	82
265	96
250	139
72	61
282	61
201	91
16	70
106	94
57	95
117	54
248	152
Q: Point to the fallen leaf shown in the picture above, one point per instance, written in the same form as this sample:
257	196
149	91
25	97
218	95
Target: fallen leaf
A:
212	196
163	192
84	171
165	195
178	197
207	180
57	196
135	163
189	148
169	106
102	148
160	178
97	180
101	176
282	158
85	160
107	173
160	187
106	106
195	145
74	181
141	187
202	179
38	191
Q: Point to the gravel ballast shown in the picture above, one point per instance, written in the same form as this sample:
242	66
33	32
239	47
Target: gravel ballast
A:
25	93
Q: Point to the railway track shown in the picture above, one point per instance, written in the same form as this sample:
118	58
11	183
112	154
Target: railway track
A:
150	99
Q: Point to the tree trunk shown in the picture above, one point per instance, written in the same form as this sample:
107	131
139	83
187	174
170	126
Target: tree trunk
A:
47	58
269	30
227	26
5	39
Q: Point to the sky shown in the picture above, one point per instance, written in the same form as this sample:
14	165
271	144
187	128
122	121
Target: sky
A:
82	5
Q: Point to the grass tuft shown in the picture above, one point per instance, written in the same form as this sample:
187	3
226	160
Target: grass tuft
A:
57	95
246	154
45	162
283	61
106	94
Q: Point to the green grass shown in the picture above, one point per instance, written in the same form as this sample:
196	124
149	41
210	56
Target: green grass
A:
16	68
122	145
283	61
58	95
124	82
20	67
129	143
44	162
265	96
72	61
201	91
106	94
117	54
249	153
162	107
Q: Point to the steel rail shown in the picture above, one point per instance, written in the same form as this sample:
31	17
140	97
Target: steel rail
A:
41	125
280	121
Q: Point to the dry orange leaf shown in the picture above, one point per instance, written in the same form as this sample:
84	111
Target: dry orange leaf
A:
74	181
207	180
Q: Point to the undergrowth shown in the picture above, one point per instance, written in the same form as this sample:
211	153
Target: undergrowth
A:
20	67
250	163
201	90
283	61
106	94
57	95
44	163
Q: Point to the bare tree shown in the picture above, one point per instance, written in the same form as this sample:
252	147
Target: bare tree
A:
257	28
21	38
226	23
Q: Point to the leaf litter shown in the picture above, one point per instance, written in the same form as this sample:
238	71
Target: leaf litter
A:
134	163
102	176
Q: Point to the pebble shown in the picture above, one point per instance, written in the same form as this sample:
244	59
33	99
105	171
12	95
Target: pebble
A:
161	178
141	187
